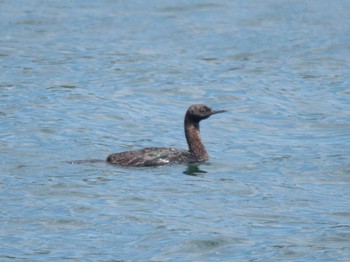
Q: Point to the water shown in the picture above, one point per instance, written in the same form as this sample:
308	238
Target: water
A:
83	79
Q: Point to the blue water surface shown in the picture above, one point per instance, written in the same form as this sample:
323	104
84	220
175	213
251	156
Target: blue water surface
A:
83	79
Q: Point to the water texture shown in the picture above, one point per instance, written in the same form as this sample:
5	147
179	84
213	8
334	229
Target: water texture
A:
83	79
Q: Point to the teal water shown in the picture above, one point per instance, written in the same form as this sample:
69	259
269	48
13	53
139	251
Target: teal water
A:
83	79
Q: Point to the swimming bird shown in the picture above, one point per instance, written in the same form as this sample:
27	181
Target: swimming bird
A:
157	156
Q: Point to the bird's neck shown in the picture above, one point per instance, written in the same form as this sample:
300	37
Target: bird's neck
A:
194	141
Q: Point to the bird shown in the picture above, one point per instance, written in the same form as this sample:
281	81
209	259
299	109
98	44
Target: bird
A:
159	156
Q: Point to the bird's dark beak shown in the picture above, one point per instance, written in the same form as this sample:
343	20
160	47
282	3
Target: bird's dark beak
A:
217	112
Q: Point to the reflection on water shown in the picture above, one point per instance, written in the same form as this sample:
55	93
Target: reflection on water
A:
82	79
194	170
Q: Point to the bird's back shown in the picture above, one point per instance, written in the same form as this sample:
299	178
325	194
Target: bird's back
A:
152	156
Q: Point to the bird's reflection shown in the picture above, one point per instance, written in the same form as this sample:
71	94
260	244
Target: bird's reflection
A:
194	170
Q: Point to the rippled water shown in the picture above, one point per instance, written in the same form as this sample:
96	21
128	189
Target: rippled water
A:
83	79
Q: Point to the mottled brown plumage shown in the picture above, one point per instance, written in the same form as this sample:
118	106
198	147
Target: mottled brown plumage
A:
156	156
